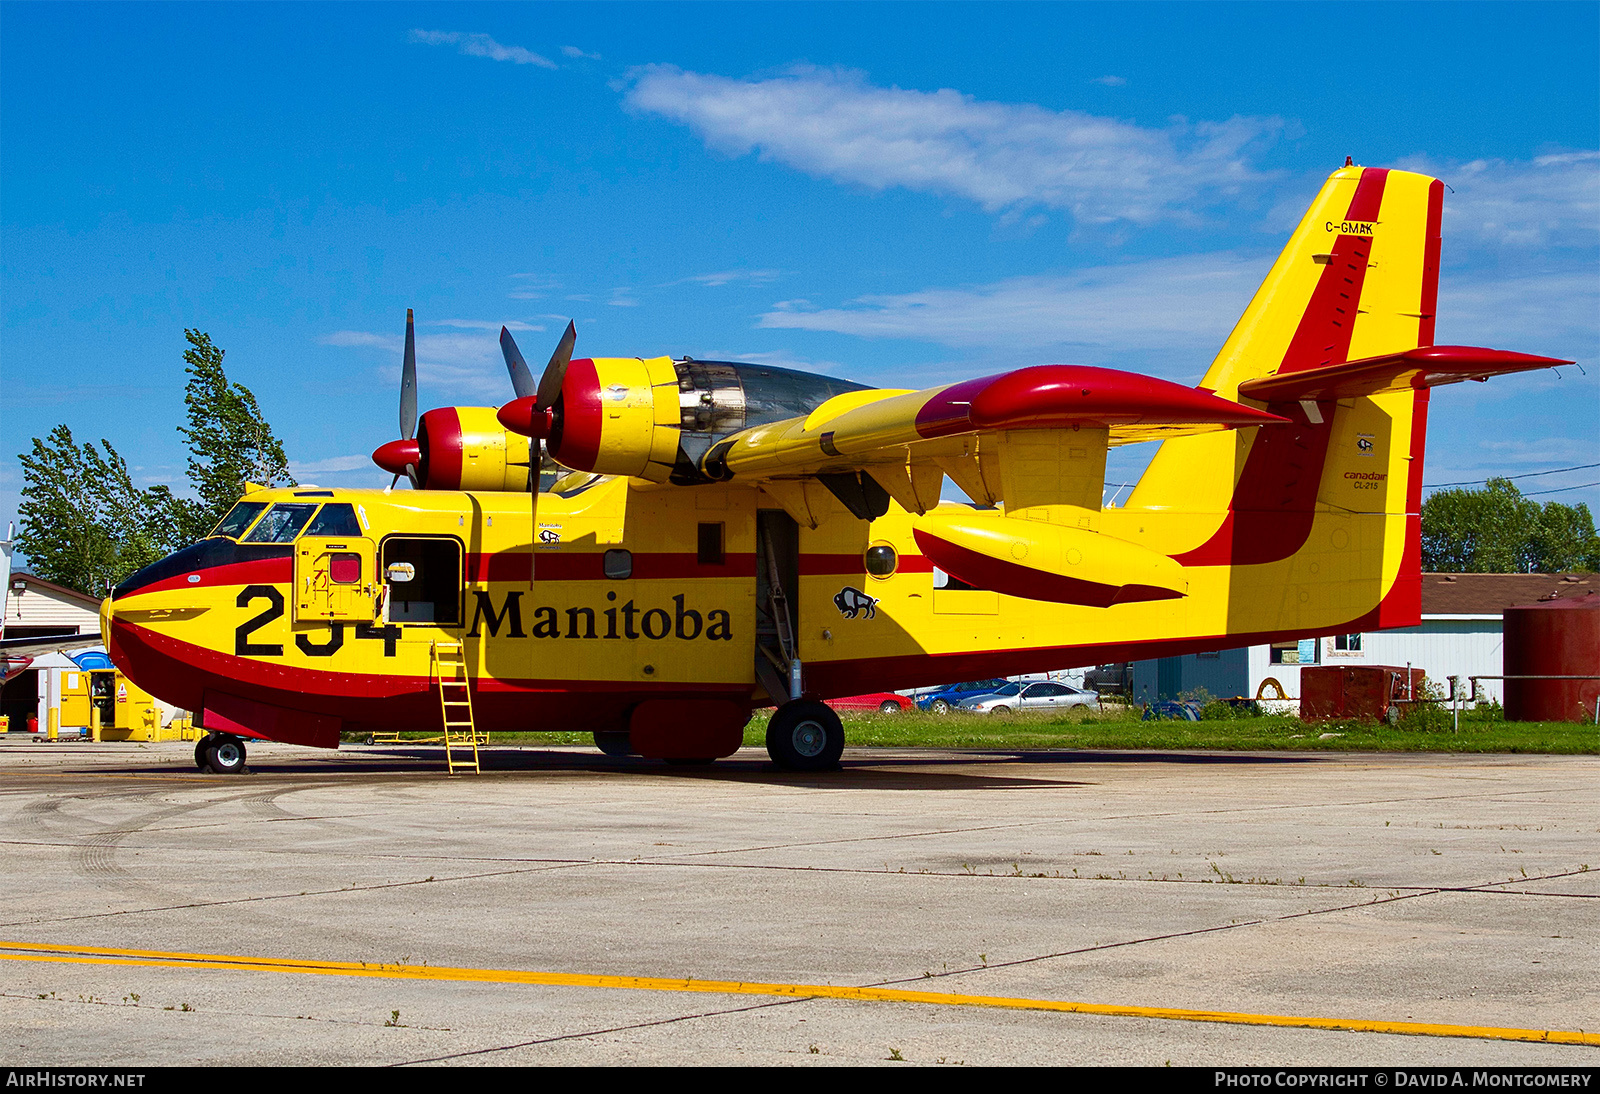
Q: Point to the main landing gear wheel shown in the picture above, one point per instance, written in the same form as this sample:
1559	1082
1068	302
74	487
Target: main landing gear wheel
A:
200	752
222	755
805	735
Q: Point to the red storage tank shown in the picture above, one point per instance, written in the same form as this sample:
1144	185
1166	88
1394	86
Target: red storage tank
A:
1553	638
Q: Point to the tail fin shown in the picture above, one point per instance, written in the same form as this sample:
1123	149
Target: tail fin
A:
1358	279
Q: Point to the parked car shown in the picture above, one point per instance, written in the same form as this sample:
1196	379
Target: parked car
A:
884	702
1043	695
941	700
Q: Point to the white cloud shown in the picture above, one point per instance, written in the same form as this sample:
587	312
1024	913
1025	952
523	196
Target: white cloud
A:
1004	156
480	45
451	368
332	465
1170	303
1551	312
1110	81
727	277
483	324
575	53
1549	201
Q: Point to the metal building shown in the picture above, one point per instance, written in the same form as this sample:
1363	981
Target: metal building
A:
1460	635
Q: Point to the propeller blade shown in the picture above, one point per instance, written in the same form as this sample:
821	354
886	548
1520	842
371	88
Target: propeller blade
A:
556	371
521	377
408	383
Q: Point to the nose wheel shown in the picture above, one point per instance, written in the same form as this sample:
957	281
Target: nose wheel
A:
219	754
805	735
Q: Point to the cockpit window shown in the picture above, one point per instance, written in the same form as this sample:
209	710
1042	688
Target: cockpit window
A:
238	519
338	518
282	523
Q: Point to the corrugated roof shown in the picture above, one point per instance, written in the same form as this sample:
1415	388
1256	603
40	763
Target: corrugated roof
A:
1492	594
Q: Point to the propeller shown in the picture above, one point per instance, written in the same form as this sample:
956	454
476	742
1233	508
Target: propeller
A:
535	406
403	456
555	373
533	413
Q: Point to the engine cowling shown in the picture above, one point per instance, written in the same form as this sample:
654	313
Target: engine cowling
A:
461	448
614	416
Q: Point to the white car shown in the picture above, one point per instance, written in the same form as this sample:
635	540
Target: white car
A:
1042	695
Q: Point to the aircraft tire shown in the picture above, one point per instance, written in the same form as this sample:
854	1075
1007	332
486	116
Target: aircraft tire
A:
613	742
805	735
939	706
224	755
200	752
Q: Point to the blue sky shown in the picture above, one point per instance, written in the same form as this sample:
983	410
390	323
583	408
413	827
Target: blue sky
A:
903	194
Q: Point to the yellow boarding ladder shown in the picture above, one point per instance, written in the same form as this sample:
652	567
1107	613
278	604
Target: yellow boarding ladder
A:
449	668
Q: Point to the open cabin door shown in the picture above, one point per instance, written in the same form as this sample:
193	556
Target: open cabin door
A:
777	603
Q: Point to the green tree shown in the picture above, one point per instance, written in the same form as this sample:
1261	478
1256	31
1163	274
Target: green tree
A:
1565	539
1495	530
83	522
230	443
85	525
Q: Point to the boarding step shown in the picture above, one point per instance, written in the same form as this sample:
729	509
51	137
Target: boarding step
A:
448	668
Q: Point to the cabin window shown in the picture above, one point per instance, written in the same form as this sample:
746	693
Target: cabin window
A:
881	560
710	551
337	518
618	565
238	519
433	595
344	568
282	523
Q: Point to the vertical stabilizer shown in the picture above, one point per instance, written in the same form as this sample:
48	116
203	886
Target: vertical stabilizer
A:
1358	278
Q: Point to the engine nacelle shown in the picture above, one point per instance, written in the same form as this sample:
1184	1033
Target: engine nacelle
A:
1044	561
614	416
460	448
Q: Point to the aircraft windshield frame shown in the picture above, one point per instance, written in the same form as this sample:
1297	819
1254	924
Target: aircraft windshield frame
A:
282	523
237	520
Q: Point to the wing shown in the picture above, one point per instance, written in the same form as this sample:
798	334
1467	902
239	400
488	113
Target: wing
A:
1034	436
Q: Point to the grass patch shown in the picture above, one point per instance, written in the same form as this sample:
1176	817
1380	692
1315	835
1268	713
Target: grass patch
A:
1123	729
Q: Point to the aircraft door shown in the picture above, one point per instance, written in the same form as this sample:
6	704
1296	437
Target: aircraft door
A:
335	578
777	601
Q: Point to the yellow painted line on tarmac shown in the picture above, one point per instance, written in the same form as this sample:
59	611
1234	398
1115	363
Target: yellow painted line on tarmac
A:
94	955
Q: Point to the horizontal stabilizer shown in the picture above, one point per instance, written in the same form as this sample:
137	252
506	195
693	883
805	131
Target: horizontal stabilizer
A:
1427	366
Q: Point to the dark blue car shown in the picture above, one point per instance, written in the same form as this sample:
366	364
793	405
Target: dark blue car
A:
940	702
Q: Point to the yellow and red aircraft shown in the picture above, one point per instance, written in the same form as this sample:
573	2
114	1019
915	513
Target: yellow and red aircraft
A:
724	536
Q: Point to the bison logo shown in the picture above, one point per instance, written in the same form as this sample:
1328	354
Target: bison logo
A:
851	602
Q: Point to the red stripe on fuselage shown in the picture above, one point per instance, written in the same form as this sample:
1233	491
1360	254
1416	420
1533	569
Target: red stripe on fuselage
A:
261	571
819	565
181	673
1274	502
